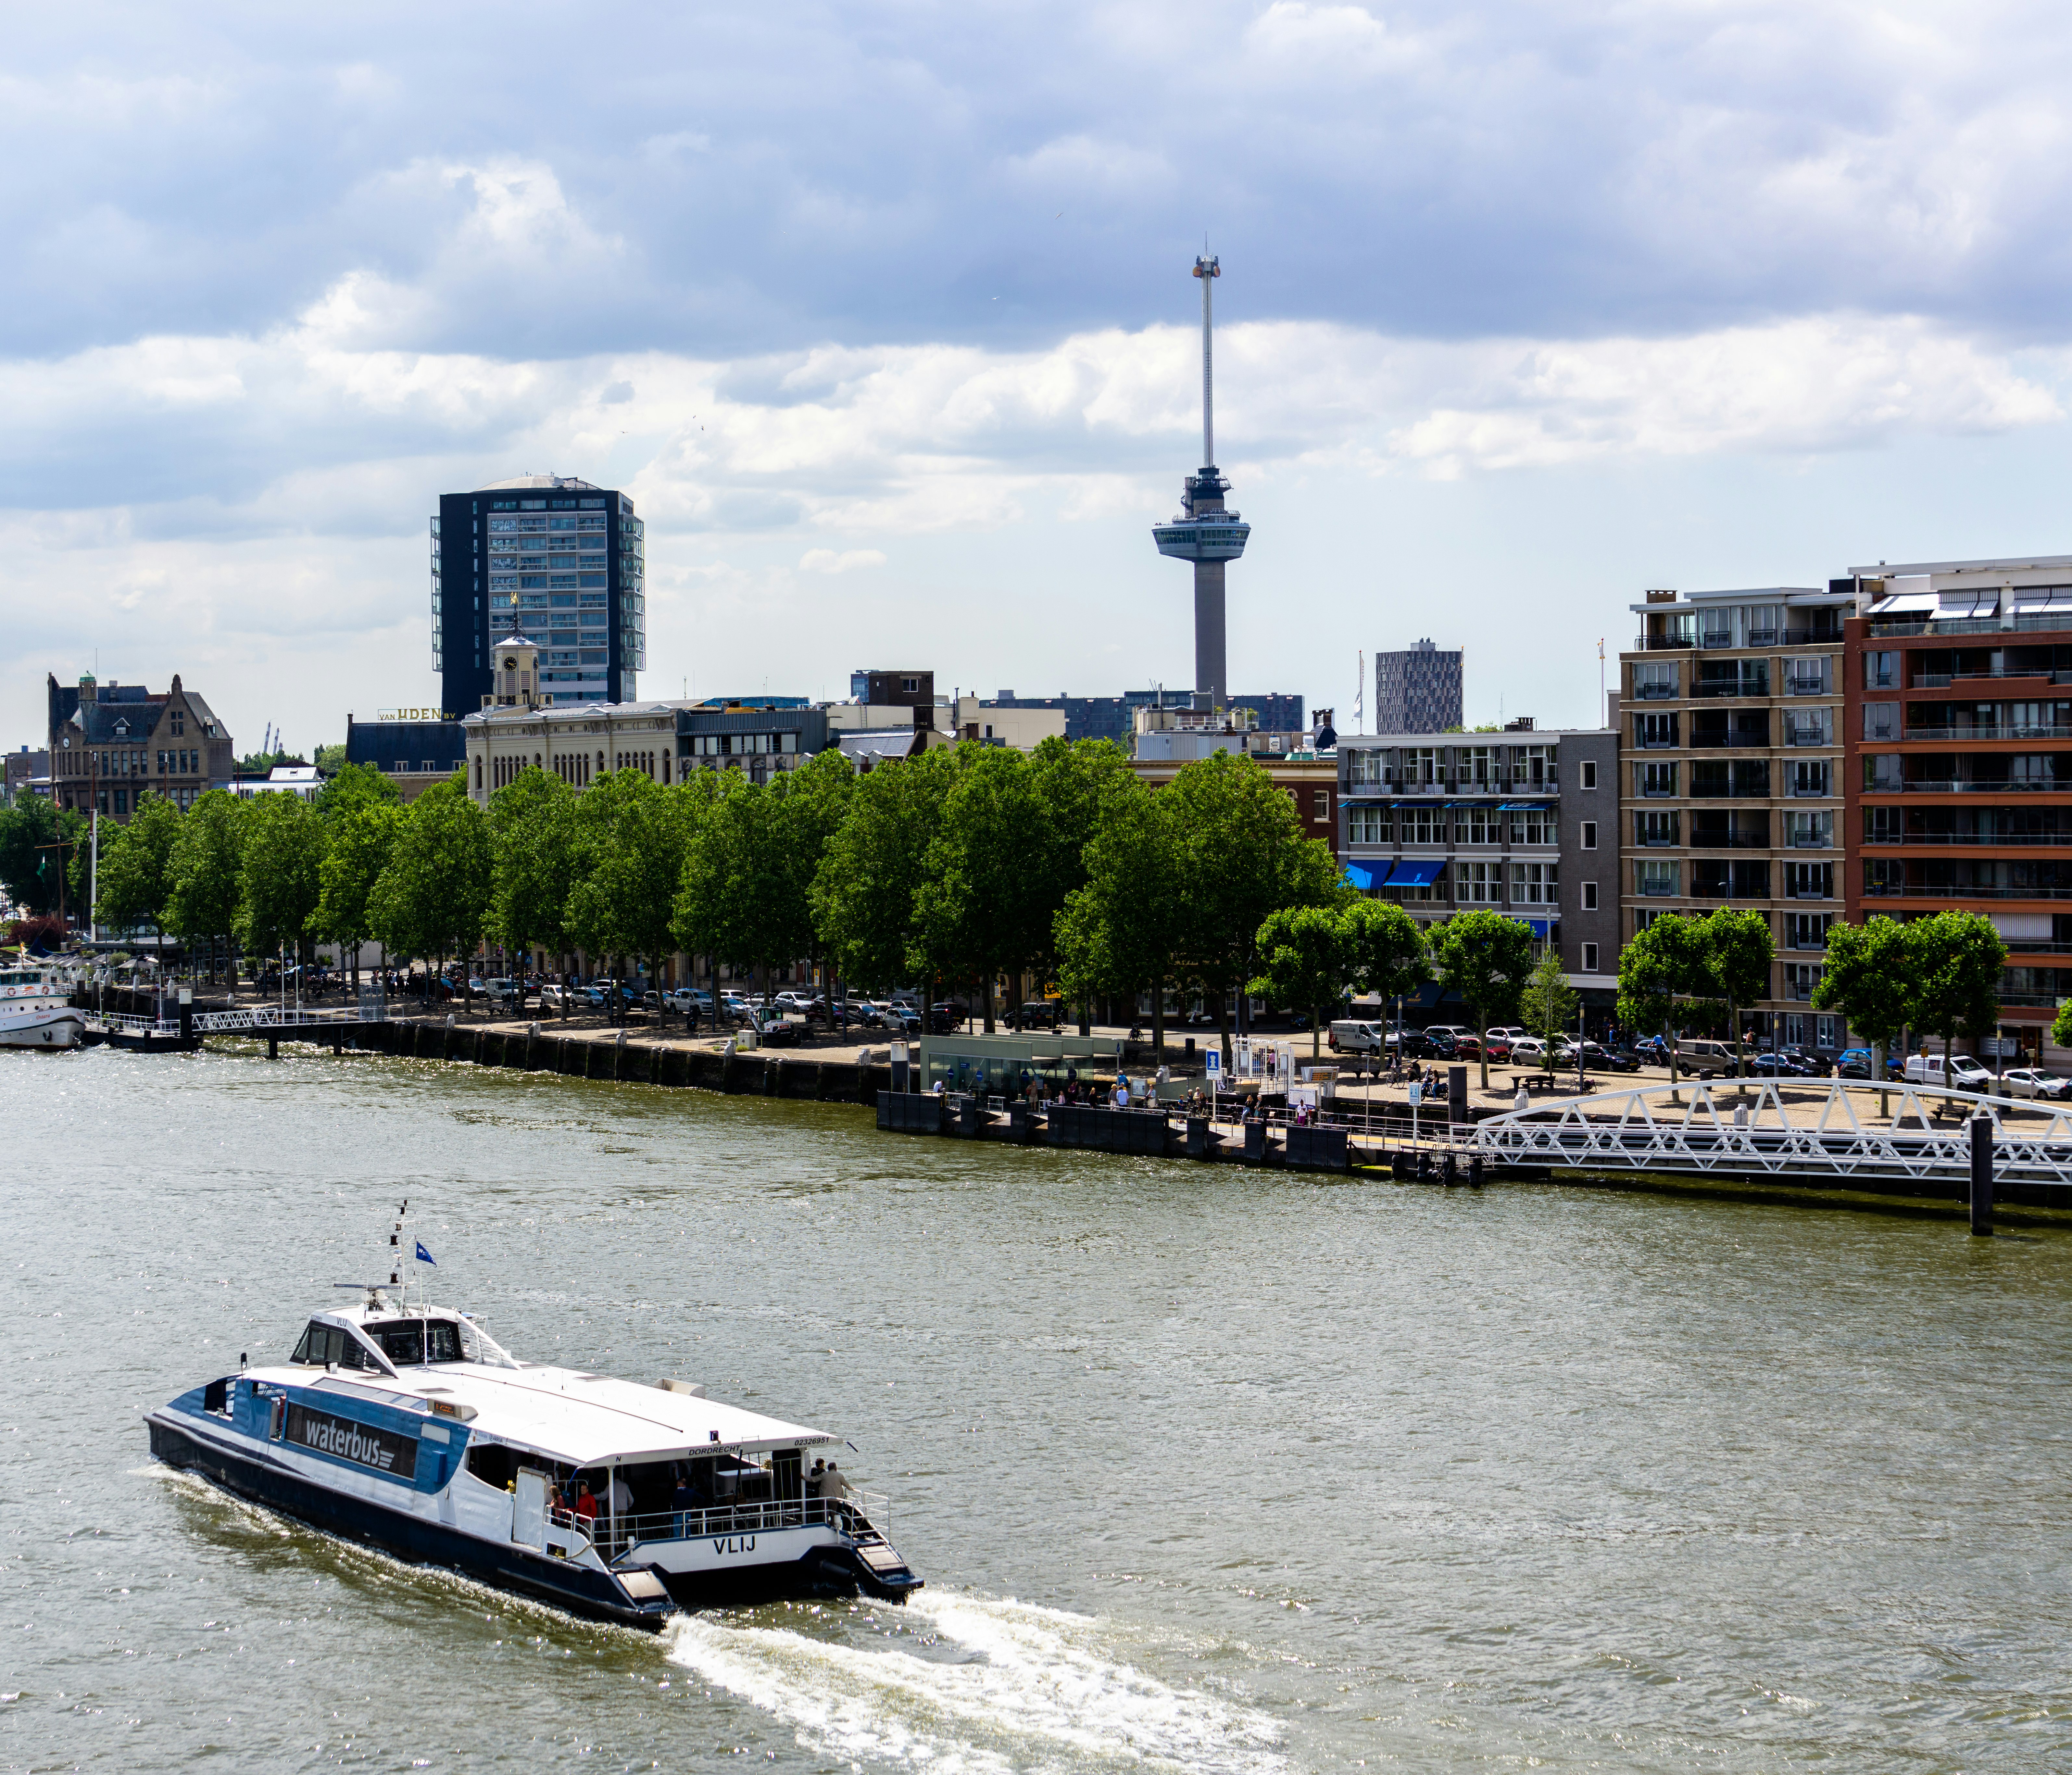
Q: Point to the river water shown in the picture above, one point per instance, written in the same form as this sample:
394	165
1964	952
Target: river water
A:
1207	1469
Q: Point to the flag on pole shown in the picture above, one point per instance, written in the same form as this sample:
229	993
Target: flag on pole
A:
424	1256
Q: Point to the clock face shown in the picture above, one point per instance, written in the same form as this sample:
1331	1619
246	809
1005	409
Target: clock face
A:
510	664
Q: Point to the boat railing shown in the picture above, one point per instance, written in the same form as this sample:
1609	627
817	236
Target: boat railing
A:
858	1508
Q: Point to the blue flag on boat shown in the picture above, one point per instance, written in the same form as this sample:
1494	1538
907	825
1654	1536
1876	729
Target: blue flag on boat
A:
424	1256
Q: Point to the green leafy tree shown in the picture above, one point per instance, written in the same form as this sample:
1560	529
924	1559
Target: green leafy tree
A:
433	898
279	883
1385	949
1080	783
981	907
863	894
1867	980
355	787
1118	934
1663	963
1956	961
1738	948
1486	959
361	841
38	841
207	865
137	867
629	838
733	874
1547	1006
532	863
814	803
1240	853
1303	961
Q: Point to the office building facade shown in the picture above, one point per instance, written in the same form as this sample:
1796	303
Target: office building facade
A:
1417	690
562	562
1959	763
1523	823
1115	718
1732	792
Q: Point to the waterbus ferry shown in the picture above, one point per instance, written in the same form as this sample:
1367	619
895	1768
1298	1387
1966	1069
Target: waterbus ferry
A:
36	1011
404	1425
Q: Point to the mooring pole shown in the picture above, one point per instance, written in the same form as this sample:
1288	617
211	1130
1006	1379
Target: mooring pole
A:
1982	1176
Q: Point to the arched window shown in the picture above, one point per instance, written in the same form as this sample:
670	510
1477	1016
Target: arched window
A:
478	773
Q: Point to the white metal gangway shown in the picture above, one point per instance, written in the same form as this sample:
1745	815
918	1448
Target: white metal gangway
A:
1749	1128
258	1017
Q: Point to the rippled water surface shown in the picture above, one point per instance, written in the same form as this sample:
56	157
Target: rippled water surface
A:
1206	1468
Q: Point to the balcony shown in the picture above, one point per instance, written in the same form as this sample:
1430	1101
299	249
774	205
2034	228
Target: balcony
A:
1758	686
1885	890
1965	785
1807	687
1656	643
1650	793
1959	735
1652	694
1805	735
1799	791
1658	890
1980	840
1654	743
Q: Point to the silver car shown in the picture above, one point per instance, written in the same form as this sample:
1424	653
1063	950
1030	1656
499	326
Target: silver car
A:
2033	1082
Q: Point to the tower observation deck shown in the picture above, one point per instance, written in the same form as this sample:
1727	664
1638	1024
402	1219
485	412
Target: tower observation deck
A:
1205	533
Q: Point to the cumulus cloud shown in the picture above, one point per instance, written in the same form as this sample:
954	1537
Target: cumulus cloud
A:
829	560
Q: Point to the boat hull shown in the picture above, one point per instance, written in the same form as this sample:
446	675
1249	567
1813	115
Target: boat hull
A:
581	1590
51	1027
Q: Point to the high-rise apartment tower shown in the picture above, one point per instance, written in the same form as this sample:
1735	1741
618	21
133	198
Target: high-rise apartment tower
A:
1416	690
1204	532
557	558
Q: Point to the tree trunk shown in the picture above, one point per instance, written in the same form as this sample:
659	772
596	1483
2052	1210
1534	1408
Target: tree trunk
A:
1158	1021
1884	1068
985	979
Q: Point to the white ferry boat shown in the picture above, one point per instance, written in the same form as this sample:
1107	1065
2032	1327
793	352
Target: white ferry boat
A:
406	1426
34	1011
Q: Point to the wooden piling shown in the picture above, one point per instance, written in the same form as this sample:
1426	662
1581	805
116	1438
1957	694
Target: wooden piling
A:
1982	1177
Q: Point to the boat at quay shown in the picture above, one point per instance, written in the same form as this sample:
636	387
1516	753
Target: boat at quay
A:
405	1425
36	1011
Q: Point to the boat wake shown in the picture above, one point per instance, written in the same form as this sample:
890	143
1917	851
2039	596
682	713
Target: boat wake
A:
1008	1686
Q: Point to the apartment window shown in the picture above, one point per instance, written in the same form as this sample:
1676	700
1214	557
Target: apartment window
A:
1881	771
1424	825
1807	929
1809	881
1883	825
1319	802
1651	729
1809	776
1425	765
1590	896
1881	671
1535	827
1654	679
1881	721
1655	779
1590	958
1589	834
1808	675
1368	825
1364	768
1478	826
1589	776
1885	875
1809	831
1809	727
1800	979
1653	829
1535	884
1481	884
1657	880
910	686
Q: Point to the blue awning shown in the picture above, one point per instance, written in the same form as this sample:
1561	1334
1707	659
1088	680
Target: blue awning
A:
1366	876
1523	807
1537	926
1416	871
1379	795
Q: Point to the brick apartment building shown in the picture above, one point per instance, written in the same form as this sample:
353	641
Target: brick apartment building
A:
1959	751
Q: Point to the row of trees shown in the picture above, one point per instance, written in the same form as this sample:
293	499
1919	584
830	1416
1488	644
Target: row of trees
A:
967	864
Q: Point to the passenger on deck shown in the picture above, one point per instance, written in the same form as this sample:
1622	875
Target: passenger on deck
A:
586	1506
621	1493
683	1500
813	1479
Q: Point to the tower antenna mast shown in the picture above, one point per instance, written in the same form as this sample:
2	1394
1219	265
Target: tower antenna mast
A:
1208	273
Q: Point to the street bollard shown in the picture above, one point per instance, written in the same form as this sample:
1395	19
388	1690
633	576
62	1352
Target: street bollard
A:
1982	1176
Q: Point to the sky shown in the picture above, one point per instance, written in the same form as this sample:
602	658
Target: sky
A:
882	315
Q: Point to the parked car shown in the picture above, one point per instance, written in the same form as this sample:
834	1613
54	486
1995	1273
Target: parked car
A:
1506	1033
1528	1050
903	1020
1497	1044
2033	1082
778	1031
1619	1060
503	991
1811	1064
1440	1045
1776	1066
1963	1073
1355	1035
1041	1013
1855	1063
1652	1049
1455	1031
684	1001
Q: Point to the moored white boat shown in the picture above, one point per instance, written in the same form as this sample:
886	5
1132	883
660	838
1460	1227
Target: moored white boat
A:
34	1012
407	1427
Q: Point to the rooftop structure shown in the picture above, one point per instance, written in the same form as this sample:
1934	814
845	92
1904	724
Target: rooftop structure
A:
1205	533
1417	690
107	749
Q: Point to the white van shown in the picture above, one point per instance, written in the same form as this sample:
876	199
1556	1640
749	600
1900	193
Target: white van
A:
1354	1035
1704	1056
1965	1073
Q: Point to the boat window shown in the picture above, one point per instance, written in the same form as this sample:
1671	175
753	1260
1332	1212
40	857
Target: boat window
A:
417	1341
493	1463
321	1344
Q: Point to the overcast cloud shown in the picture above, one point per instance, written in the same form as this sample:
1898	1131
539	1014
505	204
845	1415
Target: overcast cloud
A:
881	314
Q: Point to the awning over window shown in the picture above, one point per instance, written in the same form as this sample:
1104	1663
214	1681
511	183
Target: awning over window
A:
2036	600
1538	926
1974	604
1366	876
1416	871
1918	603
1526	806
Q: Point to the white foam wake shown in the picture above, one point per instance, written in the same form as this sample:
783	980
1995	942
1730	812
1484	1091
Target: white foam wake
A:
1035	1688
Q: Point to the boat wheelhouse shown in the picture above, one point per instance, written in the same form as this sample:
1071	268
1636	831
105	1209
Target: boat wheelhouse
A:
407	1426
